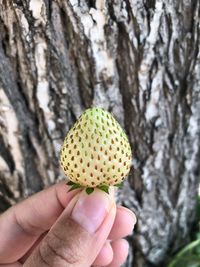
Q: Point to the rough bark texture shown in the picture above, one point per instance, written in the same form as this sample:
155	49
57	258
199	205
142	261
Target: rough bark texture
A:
138	59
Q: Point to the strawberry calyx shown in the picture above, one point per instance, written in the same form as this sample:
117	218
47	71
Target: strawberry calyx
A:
90	190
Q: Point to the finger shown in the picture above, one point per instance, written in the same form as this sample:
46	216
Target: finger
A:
105	256
26	221
79	234
120	252
124	223
30	251
123	226
17	264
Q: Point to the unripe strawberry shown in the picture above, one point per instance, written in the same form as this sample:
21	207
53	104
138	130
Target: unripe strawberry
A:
96	151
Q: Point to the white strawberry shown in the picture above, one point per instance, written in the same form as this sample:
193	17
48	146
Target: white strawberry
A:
96	152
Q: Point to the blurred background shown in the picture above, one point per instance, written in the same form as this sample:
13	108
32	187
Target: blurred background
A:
139	60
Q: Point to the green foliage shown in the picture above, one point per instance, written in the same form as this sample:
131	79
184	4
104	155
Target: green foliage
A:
198	209
189	256
89	190
119	185
104	188
75	186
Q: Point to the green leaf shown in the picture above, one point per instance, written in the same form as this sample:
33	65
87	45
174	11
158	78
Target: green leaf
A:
120	185
198	209
183	254
70	183
198	235
104	188
75	186
89	190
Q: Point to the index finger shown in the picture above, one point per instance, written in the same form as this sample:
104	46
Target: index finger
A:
22	224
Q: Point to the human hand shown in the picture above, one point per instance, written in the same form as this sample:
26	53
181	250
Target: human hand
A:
59	228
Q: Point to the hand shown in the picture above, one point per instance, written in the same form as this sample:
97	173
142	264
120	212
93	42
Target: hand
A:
59	228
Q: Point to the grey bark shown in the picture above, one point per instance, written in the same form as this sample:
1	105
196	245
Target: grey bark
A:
138	59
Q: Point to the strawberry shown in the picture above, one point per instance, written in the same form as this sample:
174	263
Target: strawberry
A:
96	152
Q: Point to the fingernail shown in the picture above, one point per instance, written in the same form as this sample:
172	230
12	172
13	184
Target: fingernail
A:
131	214
91	210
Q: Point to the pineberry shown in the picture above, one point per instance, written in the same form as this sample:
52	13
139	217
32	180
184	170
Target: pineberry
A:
96	151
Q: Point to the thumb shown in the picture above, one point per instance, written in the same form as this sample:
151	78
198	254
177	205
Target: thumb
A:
79	233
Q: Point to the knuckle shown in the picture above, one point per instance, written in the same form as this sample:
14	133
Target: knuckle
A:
57	251
26	226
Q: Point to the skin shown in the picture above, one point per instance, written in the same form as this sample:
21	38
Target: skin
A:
27	223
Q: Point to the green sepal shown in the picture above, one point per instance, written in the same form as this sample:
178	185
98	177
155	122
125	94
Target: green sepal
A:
104	188
70	183
75	186
89	190
120	185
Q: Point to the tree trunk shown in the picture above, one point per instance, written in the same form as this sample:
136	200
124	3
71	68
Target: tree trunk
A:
138	59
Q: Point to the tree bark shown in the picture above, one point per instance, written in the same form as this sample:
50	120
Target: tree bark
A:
138	59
